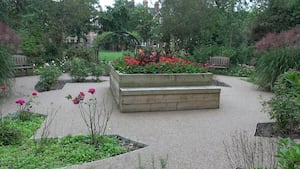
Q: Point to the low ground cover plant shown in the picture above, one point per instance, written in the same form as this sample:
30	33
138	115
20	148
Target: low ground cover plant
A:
152	62
236	70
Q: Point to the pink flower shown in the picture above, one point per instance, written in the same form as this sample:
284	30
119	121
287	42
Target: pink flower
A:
81	96
76	100
3	88
20	101
34	94
91	90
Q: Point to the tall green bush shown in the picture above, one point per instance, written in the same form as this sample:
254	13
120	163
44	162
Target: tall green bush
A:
78	69
273	63
6	68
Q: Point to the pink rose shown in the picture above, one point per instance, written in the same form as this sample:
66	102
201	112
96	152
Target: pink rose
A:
76	100
20	101
91	90
81	96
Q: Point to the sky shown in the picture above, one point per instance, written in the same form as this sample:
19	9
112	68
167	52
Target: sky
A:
104	3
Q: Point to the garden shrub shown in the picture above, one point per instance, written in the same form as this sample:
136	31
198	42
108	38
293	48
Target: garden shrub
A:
273	63
78	69
285	105
49	75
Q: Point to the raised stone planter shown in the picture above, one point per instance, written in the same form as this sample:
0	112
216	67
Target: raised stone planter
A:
163	92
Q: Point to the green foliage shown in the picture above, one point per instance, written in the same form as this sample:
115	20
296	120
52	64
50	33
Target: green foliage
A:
57	153
85	53
285	105
8	134
197	23
6	68
273	63
14	131
235	70
288	154
49	75
78	69
238	55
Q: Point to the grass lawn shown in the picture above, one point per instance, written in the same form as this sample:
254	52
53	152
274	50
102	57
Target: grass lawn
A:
111	55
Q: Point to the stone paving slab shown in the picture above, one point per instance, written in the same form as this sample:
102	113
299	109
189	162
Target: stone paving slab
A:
191	139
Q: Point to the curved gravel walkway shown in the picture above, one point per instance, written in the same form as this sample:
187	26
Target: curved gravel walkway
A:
191	139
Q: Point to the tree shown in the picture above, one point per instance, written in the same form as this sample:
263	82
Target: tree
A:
141	21
196	23
277	16
115	18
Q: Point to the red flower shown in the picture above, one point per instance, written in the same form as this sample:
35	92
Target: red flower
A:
207	65
20	101
92	90
76	100
34	94
3	88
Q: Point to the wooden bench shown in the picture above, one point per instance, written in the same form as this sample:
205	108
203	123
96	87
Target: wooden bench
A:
219	62
21	63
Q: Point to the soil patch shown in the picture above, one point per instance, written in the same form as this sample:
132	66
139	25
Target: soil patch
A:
130	145
61	83
219	83
268	130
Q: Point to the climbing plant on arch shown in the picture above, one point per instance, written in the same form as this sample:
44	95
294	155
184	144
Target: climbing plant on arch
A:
132	38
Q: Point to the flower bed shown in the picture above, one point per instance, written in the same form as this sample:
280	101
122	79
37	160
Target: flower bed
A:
153	65
167	83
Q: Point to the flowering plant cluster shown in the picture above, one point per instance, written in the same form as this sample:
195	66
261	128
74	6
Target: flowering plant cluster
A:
156	64
26	106
95	116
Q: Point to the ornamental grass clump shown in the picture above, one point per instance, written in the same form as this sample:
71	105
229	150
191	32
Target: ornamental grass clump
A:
153	63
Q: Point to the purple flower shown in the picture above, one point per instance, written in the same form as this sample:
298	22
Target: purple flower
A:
20	101
91	90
